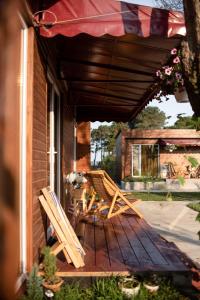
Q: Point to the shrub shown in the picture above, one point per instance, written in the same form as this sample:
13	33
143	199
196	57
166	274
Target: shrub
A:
34	286
107	289
70	292
50	268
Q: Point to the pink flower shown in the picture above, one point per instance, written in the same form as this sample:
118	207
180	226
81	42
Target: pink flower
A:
178	75
174	51
168	71
176	60
159	74
165	67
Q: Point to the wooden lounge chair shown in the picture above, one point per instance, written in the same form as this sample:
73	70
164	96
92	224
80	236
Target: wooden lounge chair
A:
111	198
104	173
67	239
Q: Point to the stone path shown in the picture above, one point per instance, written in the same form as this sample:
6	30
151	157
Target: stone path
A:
176	223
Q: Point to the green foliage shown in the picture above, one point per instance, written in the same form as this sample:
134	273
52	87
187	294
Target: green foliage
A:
165	292
103	139
150	118
108	164
181	180
108	289
161	196
143	179
70	292
193	161
102	289
186	122
34	286
198	217
50	268
169	196
194	206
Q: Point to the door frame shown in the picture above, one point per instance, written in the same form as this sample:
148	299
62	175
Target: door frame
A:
23	154
55	155
140	158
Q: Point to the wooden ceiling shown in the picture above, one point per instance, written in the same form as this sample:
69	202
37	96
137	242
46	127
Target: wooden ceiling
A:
110	78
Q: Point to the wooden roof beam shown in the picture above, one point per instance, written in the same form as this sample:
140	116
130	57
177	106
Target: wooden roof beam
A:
105	66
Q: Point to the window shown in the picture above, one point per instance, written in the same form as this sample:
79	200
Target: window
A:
145	160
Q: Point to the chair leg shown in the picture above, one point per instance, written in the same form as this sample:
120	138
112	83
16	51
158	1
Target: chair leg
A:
91	202
132	206
122	209
112	205
57	248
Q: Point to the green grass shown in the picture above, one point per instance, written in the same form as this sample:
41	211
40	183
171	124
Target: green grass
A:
160	196
196	207
108	289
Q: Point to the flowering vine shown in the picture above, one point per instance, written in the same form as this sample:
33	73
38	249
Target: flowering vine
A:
169	77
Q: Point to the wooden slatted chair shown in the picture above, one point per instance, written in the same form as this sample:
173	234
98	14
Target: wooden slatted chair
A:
111	198
67	239
104	173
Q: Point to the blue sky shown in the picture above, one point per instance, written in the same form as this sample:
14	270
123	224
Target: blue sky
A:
143	2
171	107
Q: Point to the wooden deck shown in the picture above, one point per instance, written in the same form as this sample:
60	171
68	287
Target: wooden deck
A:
122	245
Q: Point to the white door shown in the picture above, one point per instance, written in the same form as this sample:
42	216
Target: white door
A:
54	151
23	151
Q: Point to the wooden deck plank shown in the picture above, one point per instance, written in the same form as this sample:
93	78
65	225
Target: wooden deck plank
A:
147	243
120	246
128	254
115	256
101	251
89	243
135	243
164	247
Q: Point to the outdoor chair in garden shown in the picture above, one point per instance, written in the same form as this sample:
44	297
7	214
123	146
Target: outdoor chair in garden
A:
106	199
67	240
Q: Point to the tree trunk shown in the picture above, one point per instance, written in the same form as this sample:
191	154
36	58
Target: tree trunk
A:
191	53
95	155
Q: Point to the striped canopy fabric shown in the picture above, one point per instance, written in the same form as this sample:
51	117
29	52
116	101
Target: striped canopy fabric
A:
100	17
111	61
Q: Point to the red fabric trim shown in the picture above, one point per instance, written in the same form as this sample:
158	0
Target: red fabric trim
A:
119	18
75	9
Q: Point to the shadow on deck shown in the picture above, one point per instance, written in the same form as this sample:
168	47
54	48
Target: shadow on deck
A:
122	245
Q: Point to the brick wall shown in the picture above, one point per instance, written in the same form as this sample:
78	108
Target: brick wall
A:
39	151
178	159
127	158
83	146
127	138
39	159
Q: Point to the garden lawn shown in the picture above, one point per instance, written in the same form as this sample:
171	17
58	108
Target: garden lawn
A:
161	196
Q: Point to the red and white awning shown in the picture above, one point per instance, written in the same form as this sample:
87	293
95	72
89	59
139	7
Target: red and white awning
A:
100	17
108	64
